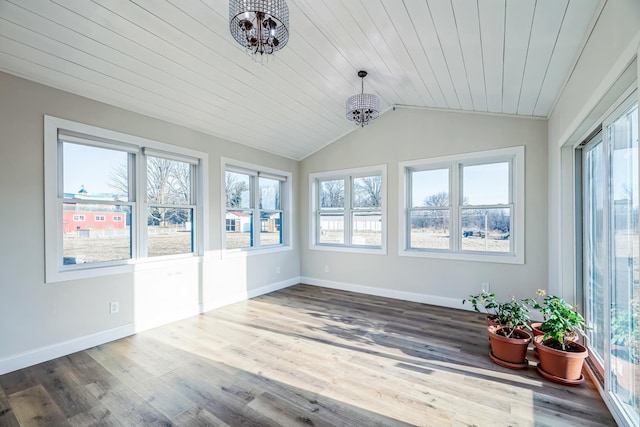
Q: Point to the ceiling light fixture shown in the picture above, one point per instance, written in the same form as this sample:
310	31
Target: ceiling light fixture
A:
261	26
363	107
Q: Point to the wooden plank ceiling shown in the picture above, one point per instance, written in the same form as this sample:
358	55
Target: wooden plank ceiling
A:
176	60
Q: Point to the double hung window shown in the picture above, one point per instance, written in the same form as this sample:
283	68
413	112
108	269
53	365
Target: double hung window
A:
256	202
349	210
112	199
465	207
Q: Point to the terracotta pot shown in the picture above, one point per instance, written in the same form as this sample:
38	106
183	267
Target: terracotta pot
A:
535	328
511	350
563	365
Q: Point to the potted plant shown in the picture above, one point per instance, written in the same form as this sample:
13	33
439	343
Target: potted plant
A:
561	359
490	306
509	341
540	328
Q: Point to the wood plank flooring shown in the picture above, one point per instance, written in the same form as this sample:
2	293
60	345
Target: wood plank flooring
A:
302	356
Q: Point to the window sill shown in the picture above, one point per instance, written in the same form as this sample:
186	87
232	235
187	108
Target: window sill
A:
349	249
465	256
247	252
126	267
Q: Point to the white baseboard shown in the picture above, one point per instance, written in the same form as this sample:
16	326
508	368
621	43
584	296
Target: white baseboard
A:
46	353
43	354
388	293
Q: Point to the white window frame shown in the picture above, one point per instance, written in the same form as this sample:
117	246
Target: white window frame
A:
314	204
100	218
286	202
78	218
117	218
55	271
515	156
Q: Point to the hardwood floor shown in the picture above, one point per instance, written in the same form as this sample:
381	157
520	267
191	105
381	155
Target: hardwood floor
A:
300	356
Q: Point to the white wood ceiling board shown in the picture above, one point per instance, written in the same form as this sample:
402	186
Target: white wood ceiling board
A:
572	34
114	94
389	30
158	107
262	87
13	64
431	46
88	35
518	23
17	20
175	60
491	15
290	68
421	68
349	45
468	25
445	23
377	48
276	127
544	34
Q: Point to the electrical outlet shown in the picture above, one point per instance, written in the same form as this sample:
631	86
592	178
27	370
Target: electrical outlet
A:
114	307
326	268
485	287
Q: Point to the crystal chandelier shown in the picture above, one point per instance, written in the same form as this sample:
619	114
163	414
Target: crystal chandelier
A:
261	26
363	107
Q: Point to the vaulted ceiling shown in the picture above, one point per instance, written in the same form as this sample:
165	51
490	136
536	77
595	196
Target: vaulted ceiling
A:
176	60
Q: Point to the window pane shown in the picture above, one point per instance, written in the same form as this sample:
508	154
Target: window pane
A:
270	228
366	229
486	230
594	246
367	192
486	184
332	193
168	181
237	190
331	228
430	188
239	229
430	229
95	173
86	240
625	278
269	193
169	231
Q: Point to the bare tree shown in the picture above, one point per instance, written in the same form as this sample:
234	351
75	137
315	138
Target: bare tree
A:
440	215
119	180
368	191
234	189
332	194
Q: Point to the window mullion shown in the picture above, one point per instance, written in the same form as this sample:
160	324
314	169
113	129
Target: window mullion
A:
139	184
348	209
455	201
255	208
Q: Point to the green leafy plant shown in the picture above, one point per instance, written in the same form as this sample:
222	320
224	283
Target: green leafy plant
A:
514	313
561	319
485	300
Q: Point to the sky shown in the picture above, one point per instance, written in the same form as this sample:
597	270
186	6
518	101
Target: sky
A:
91	167
486	184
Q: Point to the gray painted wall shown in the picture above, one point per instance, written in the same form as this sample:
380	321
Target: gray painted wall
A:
409	134
39	320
